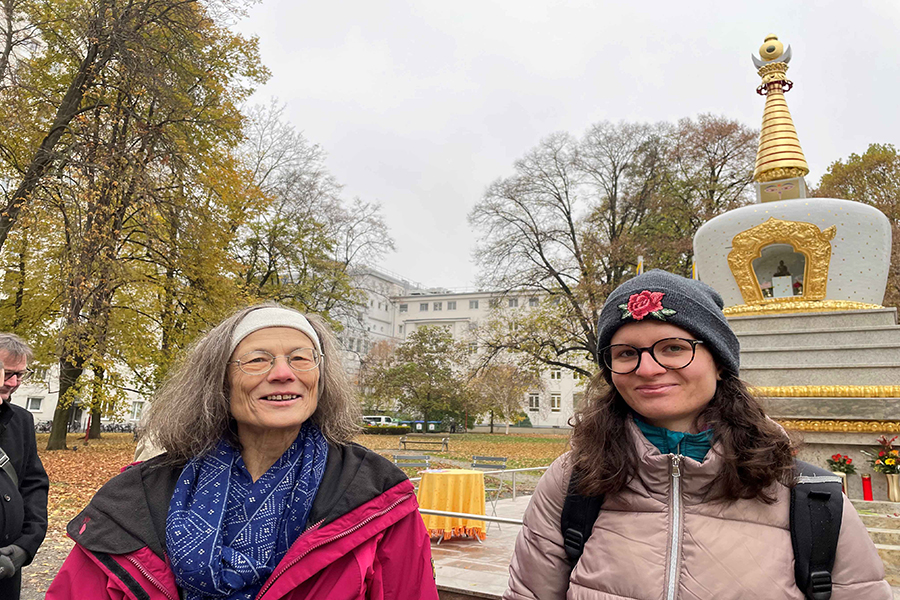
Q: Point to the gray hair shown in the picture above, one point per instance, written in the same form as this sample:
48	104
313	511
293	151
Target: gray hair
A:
15	346
191	412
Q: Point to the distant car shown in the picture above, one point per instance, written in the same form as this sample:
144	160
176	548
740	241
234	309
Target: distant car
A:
378	420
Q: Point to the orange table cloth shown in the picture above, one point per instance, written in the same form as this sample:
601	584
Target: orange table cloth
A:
453	490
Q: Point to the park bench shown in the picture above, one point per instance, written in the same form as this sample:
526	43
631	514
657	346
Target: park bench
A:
412	461
408	442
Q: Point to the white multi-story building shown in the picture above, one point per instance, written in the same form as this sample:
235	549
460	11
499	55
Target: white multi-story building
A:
375	321
549	404
395	307
40	393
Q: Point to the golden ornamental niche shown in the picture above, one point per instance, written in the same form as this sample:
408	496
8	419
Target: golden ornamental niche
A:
802	245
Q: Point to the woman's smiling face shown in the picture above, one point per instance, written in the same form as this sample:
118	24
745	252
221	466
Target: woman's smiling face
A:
280	399
672	399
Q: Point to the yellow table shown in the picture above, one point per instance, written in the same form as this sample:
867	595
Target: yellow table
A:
453	490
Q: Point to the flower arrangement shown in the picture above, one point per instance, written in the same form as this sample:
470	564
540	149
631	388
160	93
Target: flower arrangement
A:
887	458
841	463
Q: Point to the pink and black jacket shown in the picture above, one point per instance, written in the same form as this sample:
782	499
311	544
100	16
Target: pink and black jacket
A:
364	538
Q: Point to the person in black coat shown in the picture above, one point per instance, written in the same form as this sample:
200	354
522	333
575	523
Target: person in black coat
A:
23	492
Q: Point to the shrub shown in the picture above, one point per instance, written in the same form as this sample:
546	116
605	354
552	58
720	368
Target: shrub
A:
385	429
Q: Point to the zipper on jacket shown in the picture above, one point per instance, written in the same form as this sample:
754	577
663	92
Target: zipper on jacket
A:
346	532
675	552
149	577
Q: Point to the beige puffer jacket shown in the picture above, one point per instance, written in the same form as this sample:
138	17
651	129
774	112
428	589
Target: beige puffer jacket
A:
650	543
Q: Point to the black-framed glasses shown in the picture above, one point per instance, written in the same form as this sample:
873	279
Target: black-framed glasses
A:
23	375
669	353
258	362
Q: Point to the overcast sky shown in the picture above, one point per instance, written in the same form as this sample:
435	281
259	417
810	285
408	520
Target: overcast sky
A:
420	105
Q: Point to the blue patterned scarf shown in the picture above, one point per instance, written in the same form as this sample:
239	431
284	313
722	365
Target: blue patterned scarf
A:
225	533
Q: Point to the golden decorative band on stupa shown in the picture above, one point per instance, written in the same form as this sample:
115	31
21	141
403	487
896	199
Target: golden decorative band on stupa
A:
796	305
840	426
827	391
805	238
779	155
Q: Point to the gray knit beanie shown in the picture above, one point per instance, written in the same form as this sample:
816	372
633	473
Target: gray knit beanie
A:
686	303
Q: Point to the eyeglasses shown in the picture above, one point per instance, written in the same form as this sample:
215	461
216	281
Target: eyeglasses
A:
23	375
259	362
669	353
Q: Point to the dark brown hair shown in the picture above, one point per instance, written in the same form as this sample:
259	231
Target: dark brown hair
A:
756	451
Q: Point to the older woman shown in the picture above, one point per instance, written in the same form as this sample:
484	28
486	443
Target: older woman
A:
695	481
260	493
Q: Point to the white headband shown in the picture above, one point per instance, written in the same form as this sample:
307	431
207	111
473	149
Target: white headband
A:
273	316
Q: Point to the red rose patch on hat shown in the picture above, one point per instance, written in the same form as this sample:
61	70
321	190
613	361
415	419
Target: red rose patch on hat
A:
646	303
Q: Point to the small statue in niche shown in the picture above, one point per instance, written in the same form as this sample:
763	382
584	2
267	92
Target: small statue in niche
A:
782	270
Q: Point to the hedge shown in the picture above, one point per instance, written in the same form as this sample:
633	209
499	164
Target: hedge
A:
385	429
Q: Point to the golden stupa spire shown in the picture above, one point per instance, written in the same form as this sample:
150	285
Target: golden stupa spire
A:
779	155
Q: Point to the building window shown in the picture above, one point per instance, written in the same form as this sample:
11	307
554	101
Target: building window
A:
40	374
423	307
33	404
556	373
438	305
534	402
513	302
137	409
473	304
533	301
555	402
400	329
451	305
473	348
404	307
359	345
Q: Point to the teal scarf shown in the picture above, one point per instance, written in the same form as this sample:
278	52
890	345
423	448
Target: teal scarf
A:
692	445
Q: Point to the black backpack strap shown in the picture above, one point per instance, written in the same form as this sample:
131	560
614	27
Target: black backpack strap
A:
6	465
577	519
816	510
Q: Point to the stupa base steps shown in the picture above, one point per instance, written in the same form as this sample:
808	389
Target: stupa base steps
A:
842	409
882	519
845	320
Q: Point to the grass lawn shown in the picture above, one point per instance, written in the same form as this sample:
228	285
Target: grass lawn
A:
522	450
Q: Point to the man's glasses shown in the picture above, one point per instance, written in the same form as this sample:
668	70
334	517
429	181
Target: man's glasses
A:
259	362
23	375
670	353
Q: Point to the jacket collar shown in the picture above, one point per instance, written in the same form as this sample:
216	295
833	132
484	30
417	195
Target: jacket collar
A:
655	469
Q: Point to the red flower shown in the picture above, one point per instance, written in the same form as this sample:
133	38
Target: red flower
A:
881	453
836	457
849	460
640	305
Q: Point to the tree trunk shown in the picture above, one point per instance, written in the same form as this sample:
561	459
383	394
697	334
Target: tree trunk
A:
68	376
20	292
94	431
43	157
492	421
96	402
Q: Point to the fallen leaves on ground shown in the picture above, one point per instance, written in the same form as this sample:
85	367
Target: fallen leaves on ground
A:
76	474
